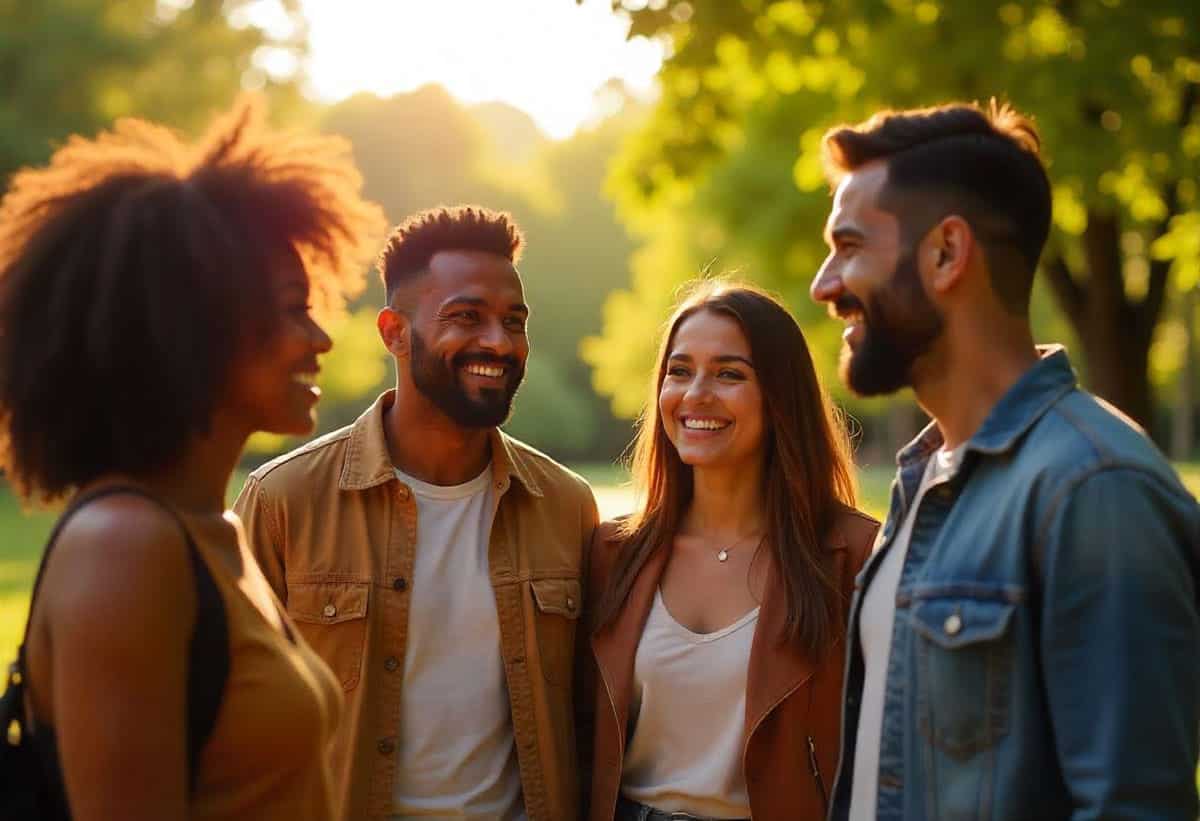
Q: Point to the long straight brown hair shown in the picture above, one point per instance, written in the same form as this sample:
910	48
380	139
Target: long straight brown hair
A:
807	481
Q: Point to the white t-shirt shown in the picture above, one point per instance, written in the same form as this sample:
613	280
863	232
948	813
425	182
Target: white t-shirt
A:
689	705
875	634
456	758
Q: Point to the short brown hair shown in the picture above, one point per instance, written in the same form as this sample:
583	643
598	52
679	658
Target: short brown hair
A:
133	270
982	164
413	242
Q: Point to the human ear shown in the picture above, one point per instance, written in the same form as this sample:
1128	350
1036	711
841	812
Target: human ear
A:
948	249
394	329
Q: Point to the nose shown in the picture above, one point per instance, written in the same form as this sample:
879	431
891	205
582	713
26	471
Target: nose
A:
698	390
320	340
495	338
826	285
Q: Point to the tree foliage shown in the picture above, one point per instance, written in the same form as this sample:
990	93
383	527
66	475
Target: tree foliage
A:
728	165
73	66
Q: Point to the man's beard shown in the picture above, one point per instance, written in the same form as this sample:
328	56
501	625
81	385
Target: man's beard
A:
900	323
440	385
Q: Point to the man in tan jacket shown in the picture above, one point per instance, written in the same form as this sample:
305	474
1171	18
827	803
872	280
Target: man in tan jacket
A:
433	561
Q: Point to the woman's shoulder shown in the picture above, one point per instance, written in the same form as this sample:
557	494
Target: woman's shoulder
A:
123	555
855	531
606	544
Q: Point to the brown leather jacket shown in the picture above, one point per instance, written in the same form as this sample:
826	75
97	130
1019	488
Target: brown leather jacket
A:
334	531
793	706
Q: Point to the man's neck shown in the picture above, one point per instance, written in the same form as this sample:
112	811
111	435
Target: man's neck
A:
959	383
425	444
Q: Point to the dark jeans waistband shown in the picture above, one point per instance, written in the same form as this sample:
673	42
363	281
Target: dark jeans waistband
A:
633	811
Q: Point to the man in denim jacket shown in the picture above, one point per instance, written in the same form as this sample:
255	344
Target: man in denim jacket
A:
1025	641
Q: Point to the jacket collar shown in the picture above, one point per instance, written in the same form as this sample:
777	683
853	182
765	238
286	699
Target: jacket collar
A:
1016	412
777	666
367	462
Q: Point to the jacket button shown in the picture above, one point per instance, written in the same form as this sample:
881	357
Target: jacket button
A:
390	664
386	747
403	493
330	611
570	603
400	584
953	624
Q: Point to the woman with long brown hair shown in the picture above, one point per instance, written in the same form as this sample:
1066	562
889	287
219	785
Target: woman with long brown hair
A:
718	607
155	310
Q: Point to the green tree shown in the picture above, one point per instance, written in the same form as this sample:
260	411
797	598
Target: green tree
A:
730	159
73	66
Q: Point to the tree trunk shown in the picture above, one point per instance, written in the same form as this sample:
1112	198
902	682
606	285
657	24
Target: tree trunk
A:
1114	331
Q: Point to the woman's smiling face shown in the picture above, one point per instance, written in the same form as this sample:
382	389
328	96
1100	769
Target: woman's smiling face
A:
710	400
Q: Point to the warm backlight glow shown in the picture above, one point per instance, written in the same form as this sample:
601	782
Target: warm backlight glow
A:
547	57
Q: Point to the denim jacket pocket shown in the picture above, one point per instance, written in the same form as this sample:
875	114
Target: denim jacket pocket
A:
332	616
964	657
559	603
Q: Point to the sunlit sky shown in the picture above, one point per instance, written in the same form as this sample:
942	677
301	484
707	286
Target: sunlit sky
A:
547	57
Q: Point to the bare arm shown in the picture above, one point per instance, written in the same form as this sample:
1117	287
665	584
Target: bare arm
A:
118	606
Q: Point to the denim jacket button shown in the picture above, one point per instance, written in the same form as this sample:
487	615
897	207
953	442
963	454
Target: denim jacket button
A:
330	611
953	624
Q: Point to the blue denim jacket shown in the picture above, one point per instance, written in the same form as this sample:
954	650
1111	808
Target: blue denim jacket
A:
1045	657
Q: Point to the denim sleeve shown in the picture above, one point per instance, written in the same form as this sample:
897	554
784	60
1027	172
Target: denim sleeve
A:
1120	645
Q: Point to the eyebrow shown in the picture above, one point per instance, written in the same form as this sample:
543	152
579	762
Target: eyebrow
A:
480	302
844	232
722	359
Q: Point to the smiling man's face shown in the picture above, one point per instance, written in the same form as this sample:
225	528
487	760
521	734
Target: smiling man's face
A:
468	337
871	281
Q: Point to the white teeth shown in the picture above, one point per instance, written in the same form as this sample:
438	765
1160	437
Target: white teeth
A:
484	370
704	424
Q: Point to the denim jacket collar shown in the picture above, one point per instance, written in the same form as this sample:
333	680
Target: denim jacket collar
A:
1016	412
368	463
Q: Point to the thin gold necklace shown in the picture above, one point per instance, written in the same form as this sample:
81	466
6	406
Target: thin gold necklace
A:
723	553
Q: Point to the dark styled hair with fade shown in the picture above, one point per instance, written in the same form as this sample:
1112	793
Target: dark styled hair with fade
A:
981	164
413	242
135	270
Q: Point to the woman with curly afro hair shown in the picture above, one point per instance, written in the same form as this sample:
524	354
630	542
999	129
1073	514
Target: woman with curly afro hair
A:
156	305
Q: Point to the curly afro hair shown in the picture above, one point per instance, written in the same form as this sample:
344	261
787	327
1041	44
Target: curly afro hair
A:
134	270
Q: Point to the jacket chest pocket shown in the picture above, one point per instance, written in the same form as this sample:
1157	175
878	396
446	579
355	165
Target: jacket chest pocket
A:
332	617
964	657
557	605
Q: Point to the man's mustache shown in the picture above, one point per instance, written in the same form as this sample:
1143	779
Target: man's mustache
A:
845	305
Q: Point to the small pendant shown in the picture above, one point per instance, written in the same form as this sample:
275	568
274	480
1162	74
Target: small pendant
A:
723	556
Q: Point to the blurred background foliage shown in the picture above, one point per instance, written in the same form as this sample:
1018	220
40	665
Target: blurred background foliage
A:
728	166
721	171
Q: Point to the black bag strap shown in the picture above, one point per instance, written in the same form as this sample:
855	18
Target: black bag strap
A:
208	647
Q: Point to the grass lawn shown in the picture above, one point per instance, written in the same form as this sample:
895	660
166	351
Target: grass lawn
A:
22	535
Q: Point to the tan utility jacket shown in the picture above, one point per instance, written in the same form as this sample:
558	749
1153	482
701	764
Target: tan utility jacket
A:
335	530
793	704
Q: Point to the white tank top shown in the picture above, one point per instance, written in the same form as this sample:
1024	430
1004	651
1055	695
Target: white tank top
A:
689	709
